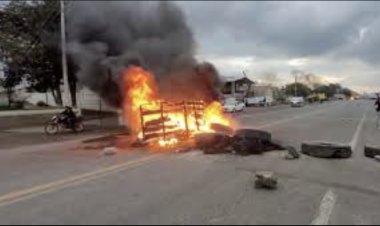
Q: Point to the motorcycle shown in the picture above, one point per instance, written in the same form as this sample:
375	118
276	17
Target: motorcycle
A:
61	121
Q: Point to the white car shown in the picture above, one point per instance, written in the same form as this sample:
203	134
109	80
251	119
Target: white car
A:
259	101
233	105
297	101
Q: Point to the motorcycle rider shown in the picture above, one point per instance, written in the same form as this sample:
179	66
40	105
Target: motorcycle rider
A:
70	116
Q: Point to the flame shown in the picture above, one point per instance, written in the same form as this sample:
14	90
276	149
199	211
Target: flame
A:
141	90
164	143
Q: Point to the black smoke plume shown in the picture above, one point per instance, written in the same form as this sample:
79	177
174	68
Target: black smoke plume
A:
106	37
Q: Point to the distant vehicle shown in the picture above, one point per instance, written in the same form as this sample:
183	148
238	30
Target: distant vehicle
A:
258	101
297	102
233	105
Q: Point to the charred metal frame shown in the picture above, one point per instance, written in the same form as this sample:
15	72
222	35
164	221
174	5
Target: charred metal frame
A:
156	128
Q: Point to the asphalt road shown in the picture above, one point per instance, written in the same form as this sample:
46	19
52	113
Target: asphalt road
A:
63	184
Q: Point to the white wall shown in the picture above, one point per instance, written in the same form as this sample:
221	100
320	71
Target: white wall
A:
34	98
1	70
89	100
3	98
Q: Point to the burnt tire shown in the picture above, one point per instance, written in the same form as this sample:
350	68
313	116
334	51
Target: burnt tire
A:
219	128
253	134
326	150
213	143
251	141
371	152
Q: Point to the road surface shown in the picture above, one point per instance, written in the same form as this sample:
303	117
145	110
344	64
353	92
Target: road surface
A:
61	184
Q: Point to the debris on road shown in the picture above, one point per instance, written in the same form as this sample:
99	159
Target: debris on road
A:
250	141
371	151
326	150
219	128
244	142
139	144
377	157
292	153
109	151
183	150
265	180
213	143
288	156
254	134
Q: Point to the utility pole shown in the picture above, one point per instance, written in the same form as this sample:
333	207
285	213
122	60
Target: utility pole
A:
295	85
66	87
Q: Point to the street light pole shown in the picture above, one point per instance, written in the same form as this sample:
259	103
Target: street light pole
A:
66	88
295	85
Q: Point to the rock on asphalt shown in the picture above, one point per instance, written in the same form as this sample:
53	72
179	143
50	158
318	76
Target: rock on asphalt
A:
265	180
108	151
292	153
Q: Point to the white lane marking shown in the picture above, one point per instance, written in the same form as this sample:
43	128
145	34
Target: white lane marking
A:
355	138
325	209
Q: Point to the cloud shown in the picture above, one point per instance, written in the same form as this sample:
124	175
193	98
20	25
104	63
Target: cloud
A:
321	37
298	62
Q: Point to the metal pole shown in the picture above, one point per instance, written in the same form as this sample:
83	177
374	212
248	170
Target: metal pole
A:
100	113
66	88
295	85
186	119
163	121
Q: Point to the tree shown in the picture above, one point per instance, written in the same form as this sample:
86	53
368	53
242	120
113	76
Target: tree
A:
30	38
9	81
302	89
329	90
347	92
325	89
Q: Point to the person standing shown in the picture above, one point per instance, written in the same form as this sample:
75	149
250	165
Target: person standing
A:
377	103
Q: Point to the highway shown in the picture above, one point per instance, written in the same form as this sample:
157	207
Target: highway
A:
61	183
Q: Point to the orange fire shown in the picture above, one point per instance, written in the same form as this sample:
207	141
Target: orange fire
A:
141	91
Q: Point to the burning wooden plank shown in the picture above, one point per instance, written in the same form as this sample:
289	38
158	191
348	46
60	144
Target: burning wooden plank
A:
156	122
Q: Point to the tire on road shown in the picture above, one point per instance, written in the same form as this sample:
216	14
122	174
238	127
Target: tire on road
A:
371	151
254	134
250	141
326	150
219	128
213	143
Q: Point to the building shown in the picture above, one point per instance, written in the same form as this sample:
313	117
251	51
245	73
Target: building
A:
237	87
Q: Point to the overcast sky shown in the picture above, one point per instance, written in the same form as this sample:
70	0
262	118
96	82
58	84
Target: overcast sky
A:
340	41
